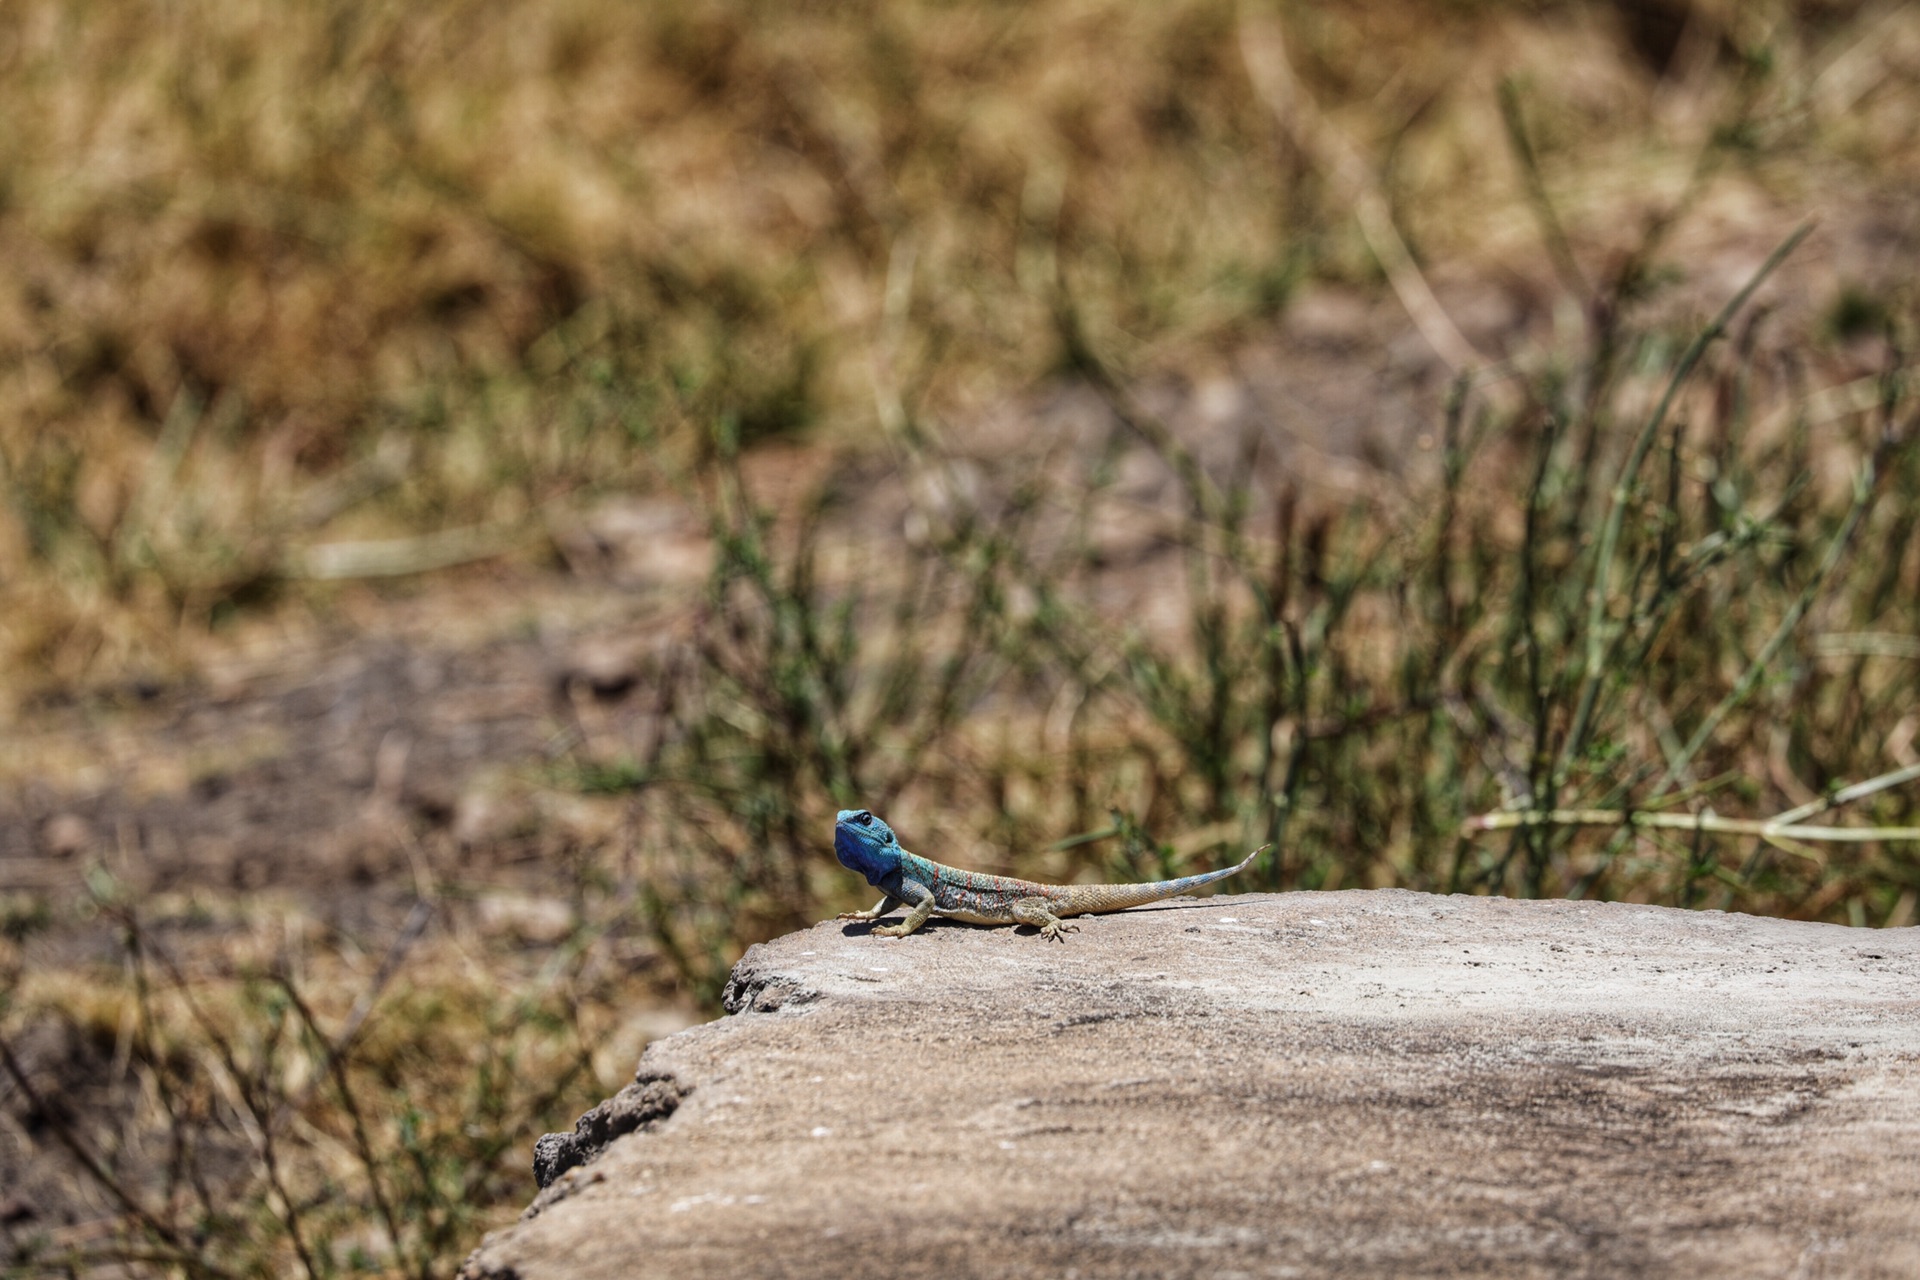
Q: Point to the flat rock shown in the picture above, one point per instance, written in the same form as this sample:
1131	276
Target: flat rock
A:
1360	1083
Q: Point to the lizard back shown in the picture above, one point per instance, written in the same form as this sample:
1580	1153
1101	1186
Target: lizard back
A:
988	898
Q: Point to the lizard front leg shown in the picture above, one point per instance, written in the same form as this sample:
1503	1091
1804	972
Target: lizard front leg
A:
1039	912
887	904
923	902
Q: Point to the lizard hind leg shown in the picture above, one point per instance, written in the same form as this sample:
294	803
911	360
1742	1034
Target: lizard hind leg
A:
1039	913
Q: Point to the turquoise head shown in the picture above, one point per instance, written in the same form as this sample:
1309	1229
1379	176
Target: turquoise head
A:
865	844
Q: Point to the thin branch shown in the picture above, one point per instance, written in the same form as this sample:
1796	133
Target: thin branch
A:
1551	230
1847	795
410	932
1784	831
1766	829
98	1172
334	1068
1264	51
399	557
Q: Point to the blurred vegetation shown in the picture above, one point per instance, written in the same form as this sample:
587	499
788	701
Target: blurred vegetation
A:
342	290
529	244
281	277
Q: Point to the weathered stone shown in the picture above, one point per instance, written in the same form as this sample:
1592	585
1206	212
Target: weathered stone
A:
1382	1083
650	1098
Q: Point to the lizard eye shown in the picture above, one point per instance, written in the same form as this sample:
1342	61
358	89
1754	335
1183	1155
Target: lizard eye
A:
865	819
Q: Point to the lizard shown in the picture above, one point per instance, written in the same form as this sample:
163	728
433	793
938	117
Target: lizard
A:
866	844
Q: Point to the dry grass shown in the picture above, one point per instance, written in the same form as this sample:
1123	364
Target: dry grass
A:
359	271
286	1102
344	291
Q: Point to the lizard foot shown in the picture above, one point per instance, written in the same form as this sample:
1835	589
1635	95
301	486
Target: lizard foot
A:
1053	931
891	930
856	915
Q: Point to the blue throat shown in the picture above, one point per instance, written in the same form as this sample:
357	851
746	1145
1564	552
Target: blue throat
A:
866	848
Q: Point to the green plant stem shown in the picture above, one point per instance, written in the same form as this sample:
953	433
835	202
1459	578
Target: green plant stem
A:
1863	494
1862	497
1597	631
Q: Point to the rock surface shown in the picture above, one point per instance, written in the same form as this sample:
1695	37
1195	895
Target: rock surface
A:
1358	1083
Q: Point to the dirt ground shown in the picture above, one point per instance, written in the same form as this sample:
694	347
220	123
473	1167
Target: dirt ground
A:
1359	1083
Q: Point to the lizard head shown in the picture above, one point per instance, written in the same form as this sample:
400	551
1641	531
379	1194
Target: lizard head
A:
865	844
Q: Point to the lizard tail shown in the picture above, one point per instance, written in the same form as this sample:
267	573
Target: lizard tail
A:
1091	899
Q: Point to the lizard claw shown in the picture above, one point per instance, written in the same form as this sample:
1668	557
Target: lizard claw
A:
1054	930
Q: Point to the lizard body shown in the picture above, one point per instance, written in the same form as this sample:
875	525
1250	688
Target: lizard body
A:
866	844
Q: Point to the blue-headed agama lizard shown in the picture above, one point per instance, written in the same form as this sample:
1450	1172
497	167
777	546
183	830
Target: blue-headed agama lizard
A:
866	844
